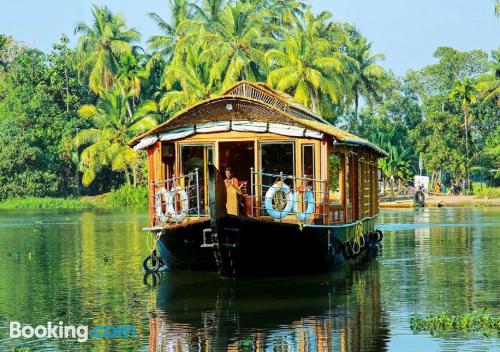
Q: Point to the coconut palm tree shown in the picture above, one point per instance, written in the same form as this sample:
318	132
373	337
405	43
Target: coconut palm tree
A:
236	45
130	74
305	65
210	13
366	76
164	45
192	75
286	13
489	84
106	142
101	45
466	91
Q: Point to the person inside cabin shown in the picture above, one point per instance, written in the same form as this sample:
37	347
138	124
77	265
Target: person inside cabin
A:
234	193
230	179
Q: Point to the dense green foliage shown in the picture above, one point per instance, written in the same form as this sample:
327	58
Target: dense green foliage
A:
441	323
126	196
47	203
66	116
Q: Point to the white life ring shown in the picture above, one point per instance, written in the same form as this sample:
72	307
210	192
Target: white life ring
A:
159	196
309	197
178	216
279	214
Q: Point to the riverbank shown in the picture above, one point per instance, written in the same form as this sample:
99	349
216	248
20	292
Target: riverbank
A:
447	201
124	197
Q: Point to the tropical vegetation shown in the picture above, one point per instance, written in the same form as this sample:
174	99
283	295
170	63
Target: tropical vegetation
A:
66	116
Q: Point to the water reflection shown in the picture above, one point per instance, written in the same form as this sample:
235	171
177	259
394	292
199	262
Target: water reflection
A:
84	268
338	311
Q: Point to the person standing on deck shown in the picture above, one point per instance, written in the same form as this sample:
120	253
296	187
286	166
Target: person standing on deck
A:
233	192
230	179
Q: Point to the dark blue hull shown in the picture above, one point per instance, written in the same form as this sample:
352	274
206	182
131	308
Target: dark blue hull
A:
246	246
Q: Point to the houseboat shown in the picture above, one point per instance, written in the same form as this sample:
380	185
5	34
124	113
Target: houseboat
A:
251	182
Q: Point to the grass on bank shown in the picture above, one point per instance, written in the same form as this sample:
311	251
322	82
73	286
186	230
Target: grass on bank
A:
441	323
486	192
124	197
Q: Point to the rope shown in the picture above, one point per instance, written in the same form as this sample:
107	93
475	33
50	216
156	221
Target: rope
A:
152	246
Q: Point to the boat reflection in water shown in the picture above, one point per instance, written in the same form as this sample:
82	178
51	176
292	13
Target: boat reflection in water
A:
338	311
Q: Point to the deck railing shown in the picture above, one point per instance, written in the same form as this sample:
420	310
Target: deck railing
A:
177	198
264	187
303	199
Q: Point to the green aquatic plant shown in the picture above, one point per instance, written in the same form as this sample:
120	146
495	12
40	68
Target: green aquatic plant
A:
46	203
440	323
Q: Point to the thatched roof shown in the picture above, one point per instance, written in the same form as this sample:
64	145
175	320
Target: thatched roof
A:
246	101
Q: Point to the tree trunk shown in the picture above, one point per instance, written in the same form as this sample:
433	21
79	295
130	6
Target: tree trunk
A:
314	106
129	110
466	153
127	176
356	105
134	175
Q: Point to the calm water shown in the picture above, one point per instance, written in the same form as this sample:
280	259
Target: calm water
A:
85	268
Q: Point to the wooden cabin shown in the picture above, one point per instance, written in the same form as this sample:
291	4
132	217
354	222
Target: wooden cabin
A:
266	138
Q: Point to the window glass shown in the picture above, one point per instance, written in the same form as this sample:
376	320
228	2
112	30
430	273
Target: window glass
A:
335	161
197	157
308	161
276	158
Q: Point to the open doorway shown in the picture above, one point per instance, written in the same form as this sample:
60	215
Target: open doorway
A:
240	157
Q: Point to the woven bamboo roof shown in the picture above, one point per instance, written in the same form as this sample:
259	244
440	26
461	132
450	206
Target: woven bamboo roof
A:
246	101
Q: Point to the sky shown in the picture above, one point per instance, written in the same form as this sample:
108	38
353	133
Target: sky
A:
406	32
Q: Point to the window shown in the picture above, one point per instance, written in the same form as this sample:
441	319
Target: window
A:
168	159
335	166
308	161
276	158
351	185
197	157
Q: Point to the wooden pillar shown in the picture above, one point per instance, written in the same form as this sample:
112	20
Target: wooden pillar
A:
154	176
343	181
325	208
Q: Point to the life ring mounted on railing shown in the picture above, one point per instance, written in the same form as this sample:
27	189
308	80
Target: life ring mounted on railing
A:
168	199
309	210
279	200
161	198
180	214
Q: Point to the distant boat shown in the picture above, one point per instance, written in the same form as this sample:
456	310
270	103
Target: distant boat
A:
251	182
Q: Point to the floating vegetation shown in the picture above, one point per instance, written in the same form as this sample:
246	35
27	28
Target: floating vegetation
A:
440	323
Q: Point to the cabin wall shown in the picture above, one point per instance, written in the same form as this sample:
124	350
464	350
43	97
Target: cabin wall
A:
357	197
357	194
258	139
154	175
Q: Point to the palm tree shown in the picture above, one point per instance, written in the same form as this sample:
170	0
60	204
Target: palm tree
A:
192	75
210	13
286	13
236	44
466	91
489	84
164	45
396	165
101	45
130	73
367	77
497	7
106	142
305	65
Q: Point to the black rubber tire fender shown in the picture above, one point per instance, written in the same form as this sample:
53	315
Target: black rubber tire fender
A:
151	263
